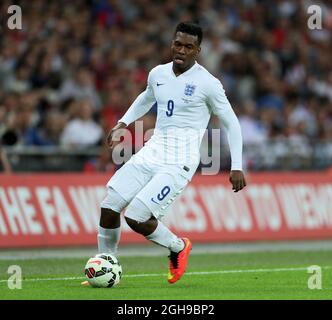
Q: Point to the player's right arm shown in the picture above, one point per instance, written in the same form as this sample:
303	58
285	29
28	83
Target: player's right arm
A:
114	135
142	104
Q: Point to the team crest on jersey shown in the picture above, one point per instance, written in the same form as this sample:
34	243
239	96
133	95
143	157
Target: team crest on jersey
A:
189	89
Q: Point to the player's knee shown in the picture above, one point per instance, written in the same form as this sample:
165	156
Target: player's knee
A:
113	201
143	228
137	216
109	219
133	224
138	211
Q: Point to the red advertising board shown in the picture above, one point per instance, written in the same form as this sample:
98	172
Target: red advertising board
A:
63	209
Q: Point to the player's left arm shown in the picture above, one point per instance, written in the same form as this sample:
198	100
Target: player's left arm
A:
222	108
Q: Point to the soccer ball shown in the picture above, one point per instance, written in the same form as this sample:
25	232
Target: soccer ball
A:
103	271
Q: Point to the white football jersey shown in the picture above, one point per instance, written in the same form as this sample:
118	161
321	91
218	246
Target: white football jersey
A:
184	105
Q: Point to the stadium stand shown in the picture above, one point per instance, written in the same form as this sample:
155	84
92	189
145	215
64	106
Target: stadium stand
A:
277	74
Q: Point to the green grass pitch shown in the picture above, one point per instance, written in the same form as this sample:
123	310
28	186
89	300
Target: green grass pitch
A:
227	276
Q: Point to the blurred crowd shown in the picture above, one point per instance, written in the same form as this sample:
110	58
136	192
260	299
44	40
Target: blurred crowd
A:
76	66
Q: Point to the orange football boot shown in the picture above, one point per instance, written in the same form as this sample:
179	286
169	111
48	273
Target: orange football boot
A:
178	262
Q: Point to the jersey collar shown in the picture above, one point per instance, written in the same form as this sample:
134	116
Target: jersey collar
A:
186	72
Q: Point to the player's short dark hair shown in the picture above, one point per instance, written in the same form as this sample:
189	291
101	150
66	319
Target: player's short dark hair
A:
191	28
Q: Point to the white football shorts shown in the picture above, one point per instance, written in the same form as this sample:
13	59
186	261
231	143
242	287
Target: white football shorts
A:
156	185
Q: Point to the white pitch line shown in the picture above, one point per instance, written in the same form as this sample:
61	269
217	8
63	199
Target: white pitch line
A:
196	273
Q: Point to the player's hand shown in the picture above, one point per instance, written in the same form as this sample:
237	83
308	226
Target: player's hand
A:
114	136
237	180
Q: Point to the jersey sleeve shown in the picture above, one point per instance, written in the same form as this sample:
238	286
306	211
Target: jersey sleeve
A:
142	104
221	107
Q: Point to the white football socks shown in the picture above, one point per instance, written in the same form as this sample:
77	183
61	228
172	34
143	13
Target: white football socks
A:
164	237
108	240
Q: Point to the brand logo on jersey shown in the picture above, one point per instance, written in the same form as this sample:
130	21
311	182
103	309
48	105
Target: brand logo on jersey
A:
159	84
189	89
